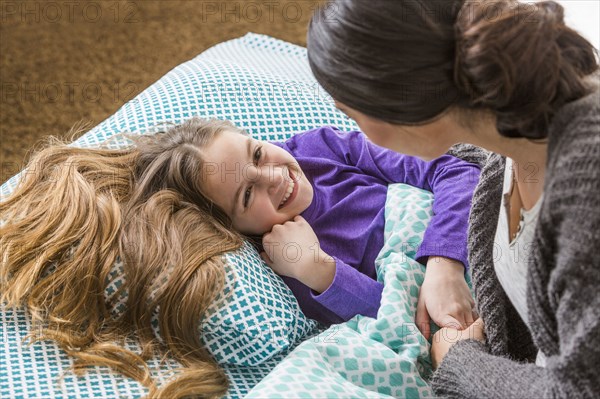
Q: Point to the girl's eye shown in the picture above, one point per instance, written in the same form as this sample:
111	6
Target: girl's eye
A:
247	196
257	154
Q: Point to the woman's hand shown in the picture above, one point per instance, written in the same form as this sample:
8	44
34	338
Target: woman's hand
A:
444	297
446	337
292	249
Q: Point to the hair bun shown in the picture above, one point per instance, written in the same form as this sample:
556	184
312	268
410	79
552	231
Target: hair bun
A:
521	61
552	11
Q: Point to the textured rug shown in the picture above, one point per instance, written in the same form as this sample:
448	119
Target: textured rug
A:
66	62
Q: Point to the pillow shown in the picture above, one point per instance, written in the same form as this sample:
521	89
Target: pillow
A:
265	86
253	318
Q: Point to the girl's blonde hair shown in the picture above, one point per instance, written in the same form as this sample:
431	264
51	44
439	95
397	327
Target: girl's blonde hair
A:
76	211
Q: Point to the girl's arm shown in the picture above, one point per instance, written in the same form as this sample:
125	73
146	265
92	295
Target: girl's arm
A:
334	285
451	180
444	296
350	293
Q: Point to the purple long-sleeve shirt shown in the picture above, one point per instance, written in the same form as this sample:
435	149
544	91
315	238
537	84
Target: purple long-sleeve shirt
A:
350	175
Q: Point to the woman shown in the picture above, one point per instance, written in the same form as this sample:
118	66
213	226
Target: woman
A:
420	76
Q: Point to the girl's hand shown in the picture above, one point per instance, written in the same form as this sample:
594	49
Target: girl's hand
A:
446	337
292	249
444	296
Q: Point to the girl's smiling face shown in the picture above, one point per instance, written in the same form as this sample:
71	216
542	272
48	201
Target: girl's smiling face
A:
256	183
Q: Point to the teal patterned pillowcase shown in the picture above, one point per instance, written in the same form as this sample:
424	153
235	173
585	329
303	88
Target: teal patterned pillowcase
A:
260	318
253	318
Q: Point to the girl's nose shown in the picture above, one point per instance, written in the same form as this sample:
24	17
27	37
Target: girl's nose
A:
272	178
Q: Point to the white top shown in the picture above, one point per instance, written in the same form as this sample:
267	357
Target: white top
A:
512	257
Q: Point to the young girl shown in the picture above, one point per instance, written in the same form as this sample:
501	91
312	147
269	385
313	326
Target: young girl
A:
337	183
171	205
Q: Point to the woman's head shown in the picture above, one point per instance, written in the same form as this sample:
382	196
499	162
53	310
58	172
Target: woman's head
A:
406	63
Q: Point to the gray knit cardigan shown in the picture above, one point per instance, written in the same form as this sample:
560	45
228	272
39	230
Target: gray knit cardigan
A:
563	282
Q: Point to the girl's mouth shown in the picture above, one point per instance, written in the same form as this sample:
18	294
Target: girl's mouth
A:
292	196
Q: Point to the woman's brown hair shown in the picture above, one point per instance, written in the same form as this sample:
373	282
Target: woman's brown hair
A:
76	211
407	61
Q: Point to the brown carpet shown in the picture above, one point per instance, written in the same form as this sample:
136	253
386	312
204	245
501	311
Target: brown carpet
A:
67	61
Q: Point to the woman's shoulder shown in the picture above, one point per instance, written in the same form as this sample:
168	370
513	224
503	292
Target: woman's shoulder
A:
575	129
572	186
574	141
470	153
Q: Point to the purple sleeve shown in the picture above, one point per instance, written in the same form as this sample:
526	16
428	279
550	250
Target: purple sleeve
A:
451	180
351	293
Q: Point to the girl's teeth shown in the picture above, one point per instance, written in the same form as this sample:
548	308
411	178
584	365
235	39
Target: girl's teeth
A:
288	193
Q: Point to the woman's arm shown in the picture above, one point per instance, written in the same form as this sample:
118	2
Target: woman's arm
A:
470	371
